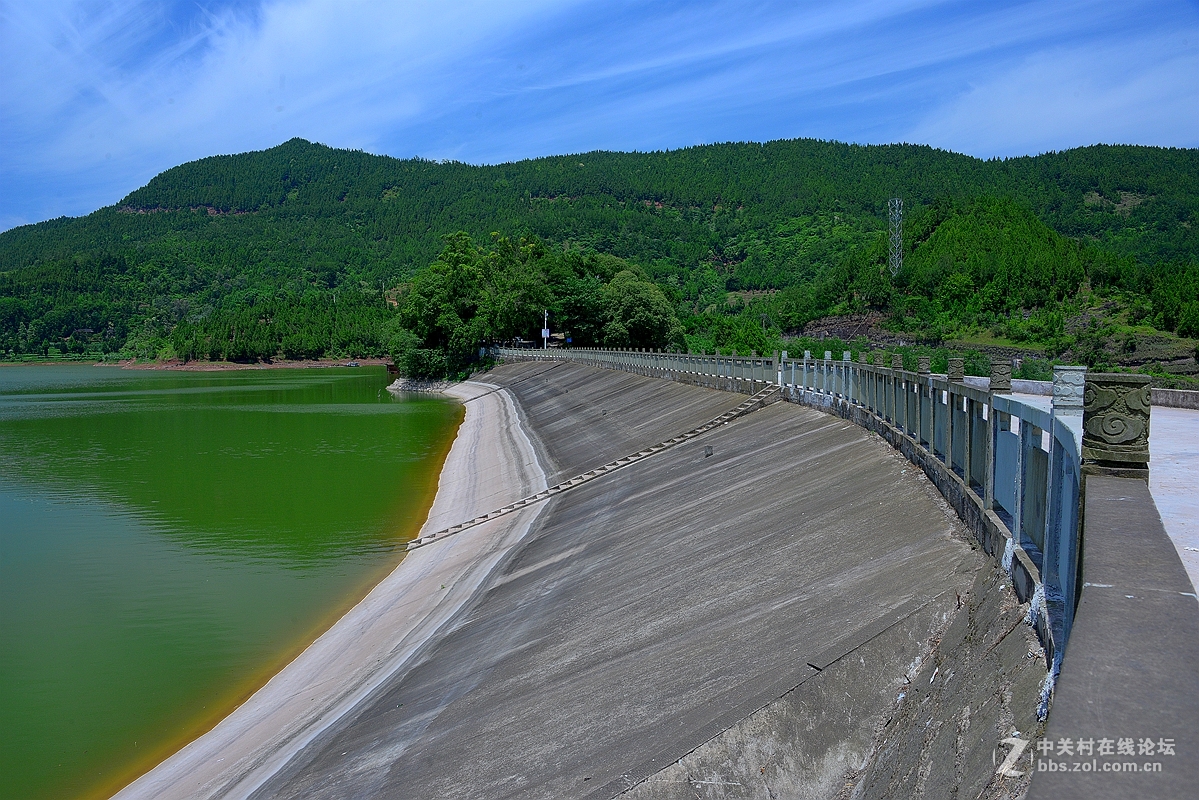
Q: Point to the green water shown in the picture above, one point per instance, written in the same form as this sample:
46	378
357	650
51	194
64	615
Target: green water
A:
168	540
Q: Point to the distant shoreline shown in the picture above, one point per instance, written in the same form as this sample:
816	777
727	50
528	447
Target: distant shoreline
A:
226	366
208	366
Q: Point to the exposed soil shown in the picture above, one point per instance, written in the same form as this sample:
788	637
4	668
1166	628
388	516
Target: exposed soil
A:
851	326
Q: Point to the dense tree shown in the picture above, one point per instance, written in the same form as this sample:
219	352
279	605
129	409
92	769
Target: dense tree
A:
472	296
467	298
637	314
303	250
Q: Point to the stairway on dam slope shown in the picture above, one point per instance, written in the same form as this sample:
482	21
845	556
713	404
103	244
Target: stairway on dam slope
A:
796	614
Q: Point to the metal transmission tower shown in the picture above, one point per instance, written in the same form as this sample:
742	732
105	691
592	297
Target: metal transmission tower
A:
895	261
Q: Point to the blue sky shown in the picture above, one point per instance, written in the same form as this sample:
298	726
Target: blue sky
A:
98	97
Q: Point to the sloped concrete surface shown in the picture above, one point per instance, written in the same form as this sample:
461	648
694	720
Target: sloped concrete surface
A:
809	743
979	686
647	612
583	417
938	738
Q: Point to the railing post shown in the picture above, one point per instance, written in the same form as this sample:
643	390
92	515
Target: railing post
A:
880	387
860	384
1115	425
989	475
869	378
1062	517
924	385
1068	389
884	389
851	378
957	370
956	374
889	405
968	441
1018	511
1001	376
900	419
1001	383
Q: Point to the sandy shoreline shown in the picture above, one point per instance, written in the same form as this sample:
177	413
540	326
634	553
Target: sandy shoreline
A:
491	463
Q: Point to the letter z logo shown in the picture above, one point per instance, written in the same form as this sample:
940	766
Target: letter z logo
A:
1013	756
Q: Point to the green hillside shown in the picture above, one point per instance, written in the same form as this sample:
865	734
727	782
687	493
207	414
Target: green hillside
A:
304	250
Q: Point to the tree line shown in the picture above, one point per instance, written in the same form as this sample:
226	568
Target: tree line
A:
307	250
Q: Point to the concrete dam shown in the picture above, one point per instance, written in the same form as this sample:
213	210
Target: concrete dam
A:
644	581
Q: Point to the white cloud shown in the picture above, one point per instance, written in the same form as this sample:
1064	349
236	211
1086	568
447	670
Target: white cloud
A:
96	96
1144	91
113	92
333	69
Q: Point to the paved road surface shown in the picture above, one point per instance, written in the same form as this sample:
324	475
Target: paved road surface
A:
1174	479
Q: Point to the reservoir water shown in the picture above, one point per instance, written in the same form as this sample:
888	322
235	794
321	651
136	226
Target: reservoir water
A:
168	540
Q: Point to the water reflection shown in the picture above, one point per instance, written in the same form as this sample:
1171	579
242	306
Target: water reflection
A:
167	539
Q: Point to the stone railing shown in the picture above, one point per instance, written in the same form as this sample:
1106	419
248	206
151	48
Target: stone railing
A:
1055	488
1011	465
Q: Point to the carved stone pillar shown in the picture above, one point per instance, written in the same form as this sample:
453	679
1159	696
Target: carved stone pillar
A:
924	365
863	358
957	370
1068	385
1001	375
896	361
1115	424
878	359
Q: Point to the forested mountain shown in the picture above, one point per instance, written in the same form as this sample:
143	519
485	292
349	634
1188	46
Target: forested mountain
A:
307	250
